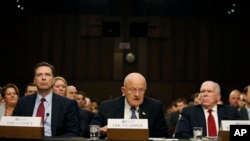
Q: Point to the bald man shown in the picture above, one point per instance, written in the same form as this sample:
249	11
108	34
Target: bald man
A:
234	97
133	98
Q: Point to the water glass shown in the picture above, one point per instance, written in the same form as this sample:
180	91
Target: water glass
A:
197	132
94	132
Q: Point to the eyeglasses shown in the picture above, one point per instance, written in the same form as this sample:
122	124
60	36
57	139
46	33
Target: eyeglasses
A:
134	90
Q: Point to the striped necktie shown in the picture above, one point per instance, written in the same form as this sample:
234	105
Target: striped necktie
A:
133	113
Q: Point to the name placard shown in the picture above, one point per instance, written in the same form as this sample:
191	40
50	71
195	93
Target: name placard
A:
128	123
20	121
225	124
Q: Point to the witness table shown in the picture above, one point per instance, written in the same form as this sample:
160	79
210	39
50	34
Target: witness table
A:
83	139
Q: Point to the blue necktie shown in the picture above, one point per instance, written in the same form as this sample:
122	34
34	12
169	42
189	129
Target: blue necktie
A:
133	113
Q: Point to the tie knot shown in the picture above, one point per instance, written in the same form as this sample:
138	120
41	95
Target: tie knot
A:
43	99
210	111
132	109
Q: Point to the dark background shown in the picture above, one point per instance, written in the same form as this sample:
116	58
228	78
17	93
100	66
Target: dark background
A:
178	44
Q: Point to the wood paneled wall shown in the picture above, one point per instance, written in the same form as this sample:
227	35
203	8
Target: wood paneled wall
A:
177	54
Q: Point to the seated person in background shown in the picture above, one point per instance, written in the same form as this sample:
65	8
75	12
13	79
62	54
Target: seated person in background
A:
94	105
30	89
80	98
133	97
245	110
87	103
234	96
85	115
10	94
1	98
71	92
173	118
242	101
60	114
197	115
60	86
196	98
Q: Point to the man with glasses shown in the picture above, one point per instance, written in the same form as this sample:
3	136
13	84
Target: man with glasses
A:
133	99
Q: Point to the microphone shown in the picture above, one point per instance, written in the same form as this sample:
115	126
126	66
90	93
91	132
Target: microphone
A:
47	114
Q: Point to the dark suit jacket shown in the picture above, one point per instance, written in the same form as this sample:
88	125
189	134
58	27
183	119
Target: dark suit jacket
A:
64	117
86	117
172	120
243	114
150	109
193	116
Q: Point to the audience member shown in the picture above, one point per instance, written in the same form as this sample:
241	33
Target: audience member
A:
145	108
30	89
60	86
220	102
88	103
61	118
80	98
84	115
234	96
241	101
173	117
196	98
1	98
171	108
71	92
94	105
10	94
197	115
245	111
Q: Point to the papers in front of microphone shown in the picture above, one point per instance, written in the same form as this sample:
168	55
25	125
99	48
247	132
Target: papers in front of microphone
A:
21	121
225	124
128	123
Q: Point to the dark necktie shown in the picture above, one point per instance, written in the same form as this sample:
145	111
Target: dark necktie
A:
41	110
211	124
133	113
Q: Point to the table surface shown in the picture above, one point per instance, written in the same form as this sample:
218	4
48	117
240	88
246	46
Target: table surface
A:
84	139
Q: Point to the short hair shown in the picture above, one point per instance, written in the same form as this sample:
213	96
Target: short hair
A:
134	74
61	78
9	85
81	93
181	99
29	84
45	64
217	86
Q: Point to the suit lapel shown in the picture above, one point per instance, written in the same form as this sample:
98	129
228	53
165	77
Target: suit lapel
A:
201	119
119	113
221	115
143	110
31	106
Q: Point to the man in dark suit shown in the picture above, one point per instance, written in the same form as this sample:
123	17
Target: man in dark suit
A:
61	115
197	115
133	96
